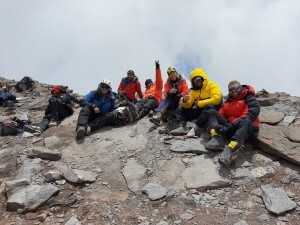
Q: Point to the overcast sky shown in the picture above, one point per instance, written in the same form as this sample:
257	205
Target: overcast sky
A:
80	42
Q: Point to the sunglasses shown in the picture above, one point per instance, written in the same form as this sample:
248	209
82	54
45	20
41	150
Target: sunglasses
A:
234	88
198	79
104	86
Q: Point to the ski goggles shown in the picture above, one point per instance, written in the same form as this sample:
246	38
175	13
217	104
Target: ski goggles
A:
232	89
104	86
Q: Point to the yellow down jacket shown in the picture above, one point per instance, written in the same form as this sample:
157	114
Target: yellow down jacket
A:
209	94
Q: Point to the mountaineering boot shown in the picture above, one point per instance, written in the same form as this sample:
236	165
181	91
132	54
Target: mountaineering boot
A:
151	113
129	115
80	132
133	110
171	125
53	123
33	129
195	131
215	143
180	131
230	153
156	119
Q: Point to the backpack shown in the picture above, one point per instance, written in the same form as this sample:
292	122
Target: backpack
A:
9	127
5	96
26	84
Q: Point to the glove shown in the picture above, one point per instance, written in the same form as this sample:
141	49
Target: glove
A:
157	64
220	129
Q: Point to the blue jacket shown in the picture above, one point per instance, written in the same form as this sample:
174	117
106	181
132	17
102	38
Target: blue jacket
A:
106	103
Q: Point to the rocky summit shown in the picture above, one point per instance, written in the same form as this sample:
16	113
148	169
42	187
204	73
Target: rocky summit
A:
134	175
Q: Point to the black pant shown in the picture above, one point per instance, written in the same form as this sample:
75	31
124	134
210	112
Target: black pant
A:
183	114
241	131
146	104
88	117
56	110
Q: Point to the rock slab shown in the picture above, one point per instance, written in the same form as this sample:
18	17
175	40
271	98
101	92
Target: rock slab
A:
44	153
202	174
154	191
31	197
277	200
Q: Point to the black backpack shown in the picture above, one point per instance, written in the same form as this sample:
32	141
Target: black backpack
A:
9	127
26	84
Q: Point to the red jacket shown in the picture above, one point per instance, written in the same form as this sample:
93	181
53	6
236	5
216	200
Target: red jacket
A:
130	88
180	85
245	106
156	89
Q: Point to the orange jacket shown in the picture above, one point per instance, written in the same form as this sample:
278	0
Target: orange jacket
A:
181	86
156	89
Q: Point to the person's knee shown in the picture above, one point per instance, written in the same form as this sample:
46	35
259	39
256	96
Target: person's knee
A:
246	122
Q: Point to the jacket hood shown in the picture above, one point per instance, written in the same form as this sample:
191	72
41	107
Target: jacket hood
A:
125	80
198	72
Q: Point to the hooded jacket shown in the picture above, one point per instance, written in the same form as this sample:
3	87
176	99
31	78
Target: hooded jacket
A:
209	94
131	87
106	103
180	85
156	89
245	106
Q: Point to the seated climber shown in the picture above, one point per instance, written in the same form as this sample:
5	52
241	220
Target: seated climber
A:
204	95
59	107
96	106
129	86
237	120
174	88
153	94
99	111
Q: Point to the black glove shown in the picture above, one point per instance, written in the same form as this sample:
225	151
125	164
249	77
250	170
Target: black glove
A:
220	129
157	64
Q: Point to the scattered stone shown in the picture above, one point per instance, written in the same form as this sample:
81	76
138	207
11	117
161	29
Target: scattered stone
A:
272	139
241	222
80	176
188	146
263	172
31	197
60	182
44	153
52	142
263	217
186	216
276	200
162	223
271	118
135	175
202	174
52	175
154	191
287	120
29	169
11	186
266	101
293	133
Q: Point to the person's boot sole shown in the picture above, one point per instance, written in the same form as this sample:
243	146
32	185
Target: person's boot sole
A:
156	122
80	134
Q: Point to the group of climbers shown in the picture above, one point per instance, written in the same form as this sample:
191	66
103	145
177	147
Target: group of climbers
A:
235	119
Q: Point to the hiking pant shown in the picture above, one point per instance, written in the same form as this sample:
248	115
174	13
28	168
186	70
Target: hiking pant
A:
241	130
58	109
183	114
168	104
146	104
88	117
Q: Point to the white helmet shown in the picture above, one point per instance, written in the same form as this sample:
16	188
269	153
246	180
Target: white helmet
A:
107	82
